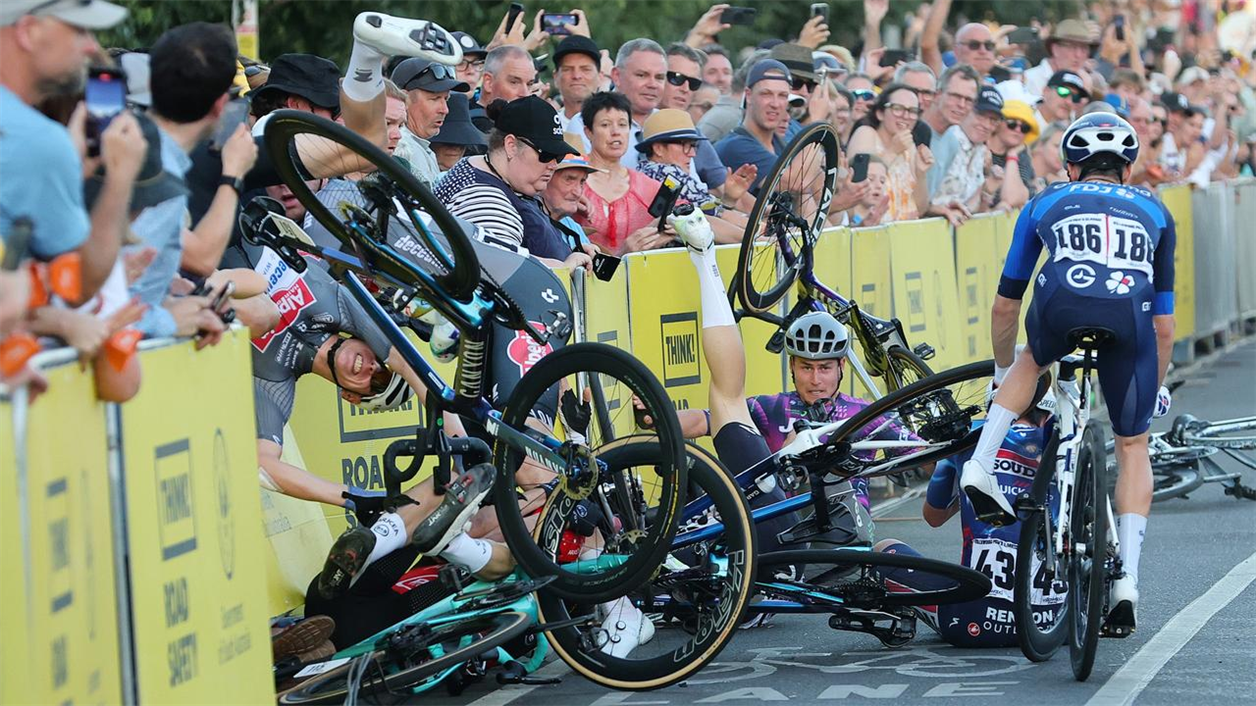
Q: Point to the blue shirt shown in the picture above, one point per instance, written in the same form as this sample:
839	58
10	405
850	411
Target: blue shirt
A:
740	147
1107	241
41	178
161	227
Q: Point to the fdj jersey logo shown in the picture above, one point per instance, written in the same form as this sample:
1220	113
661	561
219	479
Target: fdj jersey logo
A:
525	351
1120	283
1080	276
291	302
680	349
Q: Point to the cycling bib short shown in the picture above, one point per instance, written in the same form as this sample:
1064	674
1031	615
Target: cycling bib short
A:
1109	264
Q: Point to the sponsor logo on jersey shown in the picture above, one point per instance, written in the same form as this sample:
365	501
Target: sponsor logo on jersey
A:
525	351
1120	283
549	296
1146	306
974	629
1011	462
1080	276
291	302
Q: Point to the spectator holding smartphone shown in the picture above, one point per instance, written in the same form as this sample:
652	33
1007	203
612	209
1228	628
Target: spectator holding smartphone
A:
887	132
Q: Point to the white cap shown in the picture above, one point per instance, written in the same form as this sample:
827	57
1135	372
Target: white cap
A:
86	14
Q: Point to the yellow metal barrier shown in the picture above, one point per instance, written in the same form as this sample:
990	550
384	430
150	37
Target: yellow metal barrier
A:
922	262
1178	200
977	268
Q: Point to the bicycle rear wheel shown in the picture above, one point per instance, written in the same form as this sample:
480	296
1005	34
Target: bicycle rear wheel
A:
641	540
1087	568
787	218
360	214
860	578
408	656
1038	642
701	592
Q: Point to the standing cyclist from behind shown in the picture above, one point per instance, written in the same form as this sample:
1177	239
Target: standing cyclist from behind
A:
1110	264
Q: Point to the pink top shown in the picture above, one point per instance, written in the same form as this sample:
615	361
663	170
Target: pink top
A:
611	223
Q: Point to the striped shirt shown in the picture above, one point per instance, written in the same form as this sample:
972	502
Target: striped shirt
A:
506	219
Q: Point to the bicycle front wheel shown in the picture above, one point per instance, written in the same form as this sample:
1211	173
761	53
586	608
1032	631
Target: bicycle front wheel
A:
787	218
905	367
571	498
361	214
1089	555
1037	587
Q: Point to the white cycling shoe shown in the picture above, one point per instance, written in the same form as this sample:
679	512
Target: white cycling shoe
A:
1124	602
625	627
398	36
694	229
982	489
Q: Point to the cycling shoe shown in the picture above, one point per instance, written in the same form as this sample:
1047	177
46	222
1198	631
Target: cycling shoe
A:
398	36
345	561
461	500
982	489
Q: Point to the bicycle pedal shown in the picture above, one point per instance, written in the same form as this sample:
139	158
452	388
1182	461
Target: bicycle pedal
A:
1025	504
776	343
925	351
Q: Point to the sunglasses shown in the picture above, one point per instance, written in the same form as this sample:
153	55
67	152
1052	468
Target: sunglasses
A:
541	154
439	71
974	45
799	83
1024	127
864	95
1066	92
678	79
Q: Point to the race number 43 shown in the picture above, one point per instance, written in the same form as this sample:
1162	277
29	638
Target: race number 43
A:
1111	241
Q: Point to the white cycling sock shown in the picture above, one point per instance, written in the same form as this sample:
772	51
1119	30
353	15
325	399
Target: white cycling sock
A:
469	553
390	535
365	77
1130	529
716	310
998	421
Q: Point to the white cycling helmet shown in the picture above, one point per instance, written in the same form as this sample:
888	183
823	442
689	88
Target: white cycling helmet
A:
394	394
817	336
1099	133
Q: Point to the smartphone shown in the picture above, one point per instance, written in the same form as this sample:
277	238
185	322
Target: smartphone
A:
891	57
554	22
1022	35
105	98
820	9
223	294
664	201
516	9
921	134
1119	24
16	243
604	266
738	15
236	112
859	167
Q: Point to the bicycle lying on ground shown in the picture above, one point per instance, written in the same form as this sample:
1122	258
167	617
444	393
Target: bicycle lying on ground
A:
779	250
1181	458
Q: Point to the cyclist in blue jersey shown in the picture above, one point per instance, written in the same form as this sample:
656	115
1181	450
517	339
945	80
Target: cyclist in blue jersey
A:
1109	264
990	549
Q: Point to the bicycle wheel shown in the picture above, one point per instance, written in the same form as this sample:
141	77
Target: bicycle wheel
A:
701	592
410	655
787	218
905	367
939	411
301	144
860	578
1038	642
1230	434
640	549
1088	568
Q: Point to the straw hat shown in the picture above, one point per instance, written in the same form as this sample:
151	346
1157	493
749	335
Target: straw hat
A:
667	125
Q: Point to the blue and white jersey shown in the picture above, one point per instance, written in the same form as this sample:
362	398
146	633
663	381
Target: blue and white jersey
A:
1104	241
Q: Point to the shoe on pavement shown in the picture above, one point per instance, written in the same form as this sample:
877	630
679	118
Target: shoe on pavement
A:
461	500
398	36
693	228
982	489
345	561
1124	602
301	636
625	629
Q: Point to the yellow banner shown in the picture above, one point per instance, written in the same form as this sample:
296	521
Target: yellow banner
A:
977	271
923	267
870	287
194	524
1178	200
58	608
666	324
833	260
297	537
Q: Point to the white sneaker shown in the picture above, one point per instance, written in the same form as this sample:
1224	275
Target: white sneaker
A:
398	36
694	230
982	489
1124	602
625	628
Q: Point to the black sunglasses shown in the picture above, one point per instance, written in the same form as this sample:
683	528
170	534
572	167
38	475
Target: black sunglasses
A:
1024	127
974	45
676	78
541	154
799	83
439	71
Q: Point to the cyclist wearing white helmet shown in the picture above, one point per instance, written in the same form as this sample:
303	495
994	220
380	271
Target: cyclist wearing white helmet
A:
1110	265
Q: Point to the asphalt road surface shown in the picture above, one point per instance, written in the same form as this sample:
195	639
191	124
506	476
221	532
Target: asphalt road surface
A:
1195	642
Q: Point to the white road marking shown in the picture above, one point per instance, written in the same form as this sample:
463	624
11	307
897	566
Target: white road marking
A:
1130	680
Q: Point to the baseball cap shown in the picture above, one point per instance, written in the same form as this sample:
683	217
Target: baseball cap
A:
989	101
428	76
768	69
86	14
575	44
1068	79
578	161
1191	75
1178	103
457	128
470	47
311	77
797	59
536	121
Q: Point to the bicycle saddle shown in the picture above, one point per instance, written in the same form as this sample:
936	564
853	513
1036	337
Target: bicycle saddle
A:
1091	337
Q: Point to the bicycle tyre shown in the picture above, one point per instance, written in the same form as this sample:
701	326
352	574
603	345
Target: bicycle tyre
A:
1091	489
332	687
1210	434
1036	643
1174	482
749	257
905	367
538	561
970	585
284	126
660	670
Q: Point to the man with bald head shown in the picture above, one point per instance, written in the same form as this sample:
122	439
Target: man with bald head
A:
974	45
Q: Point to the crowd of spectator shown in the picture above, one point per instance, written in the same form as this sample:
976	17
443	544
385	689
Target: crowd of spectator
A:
557	145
